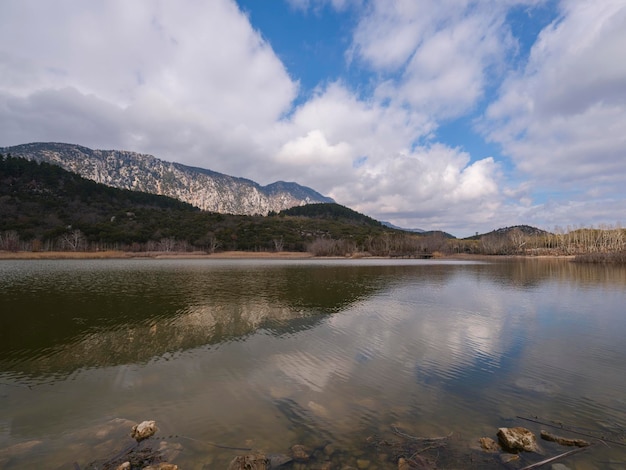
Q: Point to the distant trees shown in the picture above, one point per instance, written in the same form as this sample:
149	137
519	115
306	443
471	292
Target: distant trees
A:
9	241
560	241
45	208
330	247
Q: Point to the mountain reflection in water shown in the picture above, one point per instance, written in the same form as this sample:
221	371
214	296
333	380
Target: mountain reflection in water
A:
95	315
274	353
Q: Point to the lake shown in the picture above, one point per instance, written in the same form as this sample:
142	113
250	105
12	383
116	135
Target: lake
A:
349	358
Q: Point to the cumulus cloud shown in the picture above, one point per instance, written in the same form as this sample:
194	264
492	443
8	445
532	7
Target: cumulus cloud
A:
437	53
361	153
562	117
194	82
190	65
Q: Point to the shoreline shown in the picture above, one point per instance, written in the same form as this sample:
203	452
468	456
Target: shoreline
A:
290	255
46	255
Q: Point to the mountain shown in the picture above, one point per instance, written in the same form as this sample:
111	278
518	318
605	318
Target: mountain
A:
46	208
205	189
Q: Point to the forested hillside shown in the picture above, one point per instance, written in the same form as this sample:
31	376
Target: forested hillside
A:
43	207
46	208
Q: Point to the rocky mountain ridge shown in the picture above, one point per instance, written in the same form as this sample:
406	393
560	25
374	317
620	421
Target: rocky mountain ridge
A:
205	189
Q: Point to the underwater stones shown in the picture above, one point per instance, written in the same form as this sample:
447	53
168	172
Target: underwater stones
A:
489	445
417	463
518	438
162	466
276	460
143	430
300	453
250	462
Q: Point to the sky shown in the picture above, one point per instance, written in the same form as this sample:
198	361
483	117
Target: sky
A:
455	115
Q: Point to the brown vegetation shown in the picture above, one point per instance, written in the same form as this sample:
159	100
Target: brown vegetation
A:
590	245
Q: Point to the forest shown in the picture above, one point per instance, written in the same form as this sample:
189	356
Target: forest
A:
45	208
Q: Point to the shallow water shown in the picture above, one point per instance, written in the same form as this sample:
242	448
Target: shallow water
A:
268	354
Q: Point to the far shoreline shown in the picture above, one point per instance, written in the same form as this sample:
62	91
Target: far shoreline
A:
46	255
286	255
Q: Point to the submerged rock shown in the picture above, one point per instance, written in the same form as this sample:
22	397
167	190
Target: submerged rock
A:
416	462
144	430
250	462
276	460
559	466
300	453
489	445
516	439
508	458
564	441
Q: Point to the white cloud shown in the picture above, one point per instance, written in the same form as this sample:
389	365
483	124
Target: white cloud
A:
430	185
562	117
194	82
438	53
192	65
314	149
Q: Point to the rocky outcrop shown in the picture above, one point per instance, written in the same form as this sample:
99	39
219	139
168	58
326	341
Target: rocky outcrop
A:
206	189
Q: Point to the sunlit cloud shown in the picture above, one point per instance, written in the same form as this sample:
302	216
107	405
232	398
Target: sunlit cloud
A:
202	84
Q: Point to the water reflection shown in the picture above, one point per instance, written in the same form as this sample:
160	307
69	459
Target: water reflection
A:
65	315
282	353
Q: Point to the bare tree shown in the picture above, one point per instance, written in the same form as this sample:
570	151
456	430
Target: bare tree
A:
73	240
167	244
212	243
9	240
518	239
278	244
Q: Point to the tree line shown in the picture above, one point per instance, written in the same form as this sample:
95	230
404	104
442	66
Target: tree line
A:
46	208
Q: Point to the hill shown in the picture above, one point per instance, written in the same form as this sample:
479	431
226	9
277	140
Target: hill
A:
505	232
205	189
43	207
332	211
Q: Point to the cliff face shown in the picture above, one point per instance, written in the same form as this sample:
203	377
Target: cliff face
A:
206	189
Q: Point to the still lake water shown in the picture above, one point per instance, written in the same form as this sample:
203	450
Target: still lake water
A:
268	354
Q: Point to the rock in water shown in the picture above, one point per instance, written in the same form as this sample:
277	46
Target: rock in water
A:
144	430
516	439
300	454
489	444
276	460
250	462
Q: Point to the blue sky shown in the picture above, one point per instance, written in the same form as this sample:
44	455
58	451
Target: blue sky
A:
455	115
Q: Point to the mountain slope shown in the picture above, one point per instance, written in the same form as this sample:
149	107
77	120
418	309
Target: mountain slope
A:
205	189
45	208
505	232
